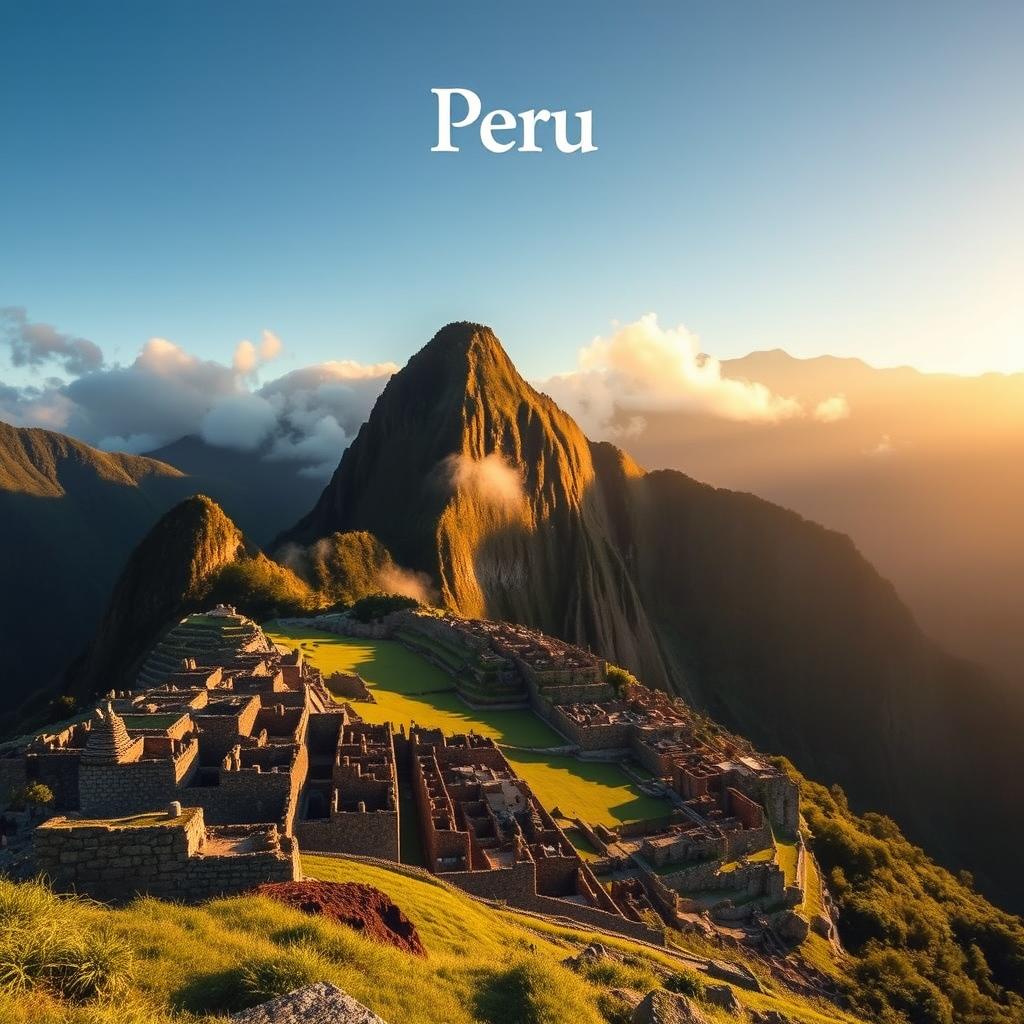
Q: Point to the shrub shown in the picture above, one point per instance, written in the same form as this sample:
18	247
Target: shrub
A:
687	983
376	606
45	947
611	973
620	679
266	977
33	795
535	991
62	707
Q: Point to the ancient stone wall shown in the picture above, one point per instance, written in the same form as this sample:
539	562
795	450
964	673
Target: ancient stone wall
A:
164	858
250	795
742	841
590	735
781	799
367	833
220	732
348	685
117	790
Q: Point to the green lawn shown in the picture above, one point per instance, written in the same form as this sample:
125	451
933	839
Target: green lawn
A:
595	791
410	689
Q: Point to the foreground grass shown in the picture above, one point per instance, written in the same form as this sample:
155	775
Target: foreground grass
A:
158	962
410	689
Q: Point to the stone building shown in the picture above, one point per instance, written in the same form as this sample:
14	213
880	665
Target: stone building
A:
172	855
350	804
484	831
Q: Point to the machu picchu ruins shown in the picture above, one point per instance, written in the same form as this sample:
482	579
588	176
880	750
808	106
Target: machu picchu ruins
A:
231	753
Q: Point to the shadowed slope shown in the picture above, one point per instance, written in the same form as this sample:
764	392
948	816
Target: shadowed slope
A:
69	515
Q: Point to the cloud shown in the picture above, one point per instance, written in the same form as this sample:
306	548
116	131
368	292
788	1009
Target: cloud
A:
417	585
832	410
884	448
36	344
490	480
308	416
643	367
239	421
248	358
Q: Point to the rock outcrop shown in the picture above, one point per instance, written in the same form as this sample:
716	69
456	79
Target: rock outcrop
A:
322	1003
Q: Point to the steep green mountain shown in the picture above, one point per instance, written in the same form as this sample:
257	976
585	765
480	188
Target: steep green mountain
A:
773	624
194	556
69	516
261	496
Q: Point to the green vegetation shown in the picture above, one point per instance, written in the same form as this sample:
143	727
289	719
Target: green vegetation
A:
260	588
410	689
75	962
345	567
32	796
596	791
376	606
927	948
620	678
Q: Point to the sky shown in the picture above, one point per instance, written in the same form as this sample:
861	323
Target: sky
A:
840	178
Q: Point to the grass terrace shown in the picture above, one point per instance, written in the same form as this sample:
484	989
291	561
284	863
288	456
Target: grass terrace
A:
408	689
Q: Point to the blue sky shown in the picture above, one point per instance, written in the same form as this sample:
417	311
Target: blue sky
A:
821	177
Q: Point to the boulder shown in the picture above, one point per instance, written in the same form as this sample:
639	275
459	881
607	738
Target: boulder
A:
734	974
661	1007
769	1017
594	953
723	997
321	1003
792	927
619	1003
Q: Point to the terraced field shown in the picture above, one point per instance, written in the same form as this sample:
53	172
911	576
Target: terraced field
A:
410	689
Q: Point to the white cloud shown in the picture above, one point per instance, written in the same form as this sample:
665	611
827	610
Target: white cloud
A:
490	480
832	410
239	421
248	358
308	416
643	367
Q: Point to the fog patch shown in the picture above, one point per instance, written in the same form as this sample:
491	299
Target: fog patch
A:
490	480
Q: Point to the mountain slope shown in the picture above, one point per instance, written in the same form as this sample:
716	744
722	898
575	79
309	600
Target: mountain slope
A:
261	496
69	515
777	626
925	471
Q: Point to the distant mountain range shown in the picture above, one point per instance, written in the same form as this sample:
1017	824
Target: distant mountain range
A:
925	473
262	496
484	494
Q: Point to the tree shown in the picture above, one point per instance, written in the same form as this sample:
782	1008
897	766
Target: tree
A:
33	797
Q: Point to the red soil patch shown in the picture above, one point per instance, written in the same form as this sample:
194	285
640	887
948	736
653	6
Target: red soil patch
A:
362	907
